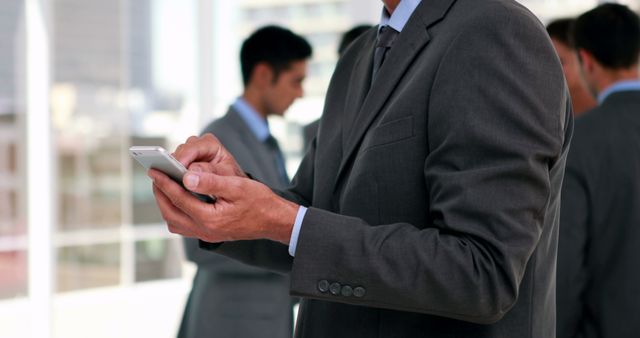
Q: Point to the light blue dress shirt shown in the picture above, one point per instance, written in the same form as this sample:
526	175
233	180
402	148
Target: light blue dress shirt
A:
400	15
620	86
257	124
397	21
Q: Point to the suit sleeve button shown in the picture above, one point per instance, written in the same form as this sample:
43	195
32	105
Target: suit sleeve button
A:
323	286
347	291
334	288
359	292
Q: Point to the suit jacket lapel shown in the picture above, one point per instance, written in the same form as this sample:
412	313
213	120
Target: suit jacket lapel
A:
359	87
409	43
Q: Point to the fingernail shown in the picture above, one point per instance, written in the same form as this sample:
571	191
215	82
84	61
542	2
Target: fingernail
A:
191	180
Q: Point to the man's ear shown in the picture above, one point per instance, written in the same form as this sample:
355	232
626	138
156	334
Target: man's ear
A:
262	74
587	61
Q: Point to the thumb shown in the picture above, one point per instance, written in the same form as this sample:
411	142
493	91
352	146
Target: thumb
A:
211	184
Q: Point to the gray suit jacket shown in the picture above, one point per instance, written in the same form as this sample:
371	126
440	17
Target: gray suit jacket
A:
434	194
598	275
228	298
309	132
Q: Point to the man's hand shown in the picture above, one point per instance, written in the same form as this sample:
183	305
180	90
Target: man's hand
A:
206	154
244	210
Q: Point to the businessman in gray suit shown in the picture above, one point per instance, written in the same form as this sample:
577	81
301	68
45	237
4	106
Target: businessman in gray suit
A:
230	299
428	204
598	261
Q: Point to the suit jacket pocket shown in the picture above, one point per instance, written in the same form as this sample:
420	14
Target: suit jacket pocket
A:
389	132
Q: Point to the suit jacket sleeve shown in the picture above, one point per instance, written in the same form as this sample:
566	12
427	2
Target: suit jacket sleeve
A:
209	259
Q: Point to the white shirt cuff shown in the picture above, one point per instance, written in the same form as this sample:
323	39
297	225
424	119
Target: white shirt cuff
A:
295	232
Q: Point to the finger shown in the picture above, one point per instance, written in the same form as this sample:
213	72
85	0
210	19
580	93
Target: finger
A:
155	174
227	187
177	221
177	195
199	149
218	169
192	138
201	167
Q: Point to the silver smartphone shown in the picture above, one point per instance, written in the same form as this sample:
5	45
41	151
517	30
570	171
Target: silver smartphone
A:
155	157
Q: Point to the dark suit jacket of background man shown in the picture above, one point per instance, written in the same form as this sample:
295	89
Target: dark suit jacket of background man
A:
228	298
598	260
434	195
309	131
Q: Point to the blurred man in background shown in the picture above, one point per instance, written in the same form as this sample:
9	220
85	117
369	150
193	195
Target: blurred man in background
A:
598	276
560	32
230	299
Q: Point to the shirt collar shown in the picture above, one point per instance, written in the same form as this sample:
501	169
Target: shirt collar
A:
400	15
618	87
256	123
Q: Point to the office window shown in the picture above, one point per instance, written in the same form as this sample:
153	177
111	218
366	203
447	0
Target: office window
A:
88	266
121	75
13	226
158	259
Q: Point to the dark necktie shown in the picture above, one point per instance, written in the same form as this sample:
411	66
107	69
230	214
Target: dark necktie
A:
385	39
272	144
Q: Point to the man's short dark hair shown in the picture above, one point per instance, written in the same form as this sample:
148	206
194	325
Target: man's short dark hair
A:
562	30
274	45
611	33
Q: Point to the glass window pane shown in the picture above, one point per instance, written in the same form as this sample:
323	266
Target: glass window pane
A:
90	184
13	228
88	266
89	74
13	274
123	74
158	259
